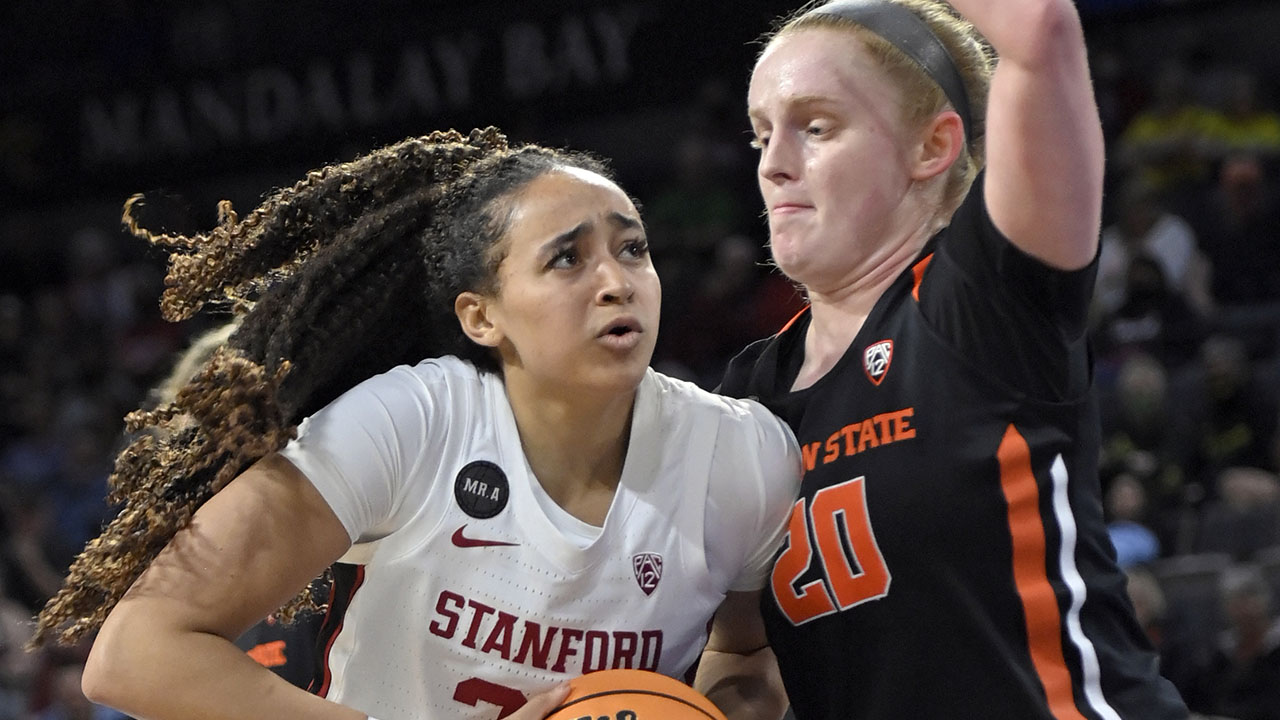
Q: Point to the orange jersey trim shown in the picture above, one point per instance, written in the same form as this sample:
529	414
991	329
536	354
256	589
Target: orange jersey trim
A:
268	654
918	271
1039	602
793	320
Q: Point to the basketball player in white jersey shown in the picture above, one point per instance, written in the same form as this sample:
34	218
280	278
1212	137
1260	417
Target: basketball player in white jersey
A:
532	504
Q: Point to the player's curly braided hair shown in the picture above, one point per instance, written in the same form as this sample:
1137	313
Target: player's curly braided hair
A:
348	273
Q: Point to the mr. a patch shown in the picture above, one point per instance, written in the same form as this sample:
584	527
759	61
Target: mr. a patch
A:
481	489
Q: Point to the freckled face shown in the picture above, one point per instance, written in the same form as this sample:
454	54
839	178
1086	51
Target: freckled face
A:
578	298
832	166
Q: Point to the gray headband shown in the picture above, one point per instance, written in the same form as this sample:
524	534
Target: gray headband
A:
903	29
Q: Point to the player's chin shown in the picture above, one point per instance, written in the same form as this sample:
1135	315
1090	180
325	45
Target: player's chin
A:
622	375
787	250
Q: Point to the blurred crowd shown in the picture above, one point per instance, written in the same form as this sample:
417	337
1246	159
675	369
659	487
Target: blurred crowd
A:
1186	324
1186	327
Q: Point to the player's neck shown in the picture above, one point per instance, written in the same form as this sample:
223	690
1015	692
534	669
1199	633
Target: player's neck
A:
836	320
575	449
838	313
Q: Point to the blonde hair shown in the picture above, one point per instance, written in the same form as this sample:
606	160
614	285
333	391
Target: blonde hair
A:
922	97
191	360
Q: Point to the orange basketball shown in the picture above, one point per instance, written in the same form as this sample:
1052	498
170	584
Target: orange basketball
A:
633	695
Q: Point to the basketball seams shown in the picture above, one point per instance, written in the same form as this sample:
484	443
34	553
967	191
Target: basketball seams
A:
632	691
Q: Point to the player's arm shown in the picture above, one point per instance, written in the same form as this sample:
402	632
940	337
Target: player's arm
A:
1044	137
738	671
166	650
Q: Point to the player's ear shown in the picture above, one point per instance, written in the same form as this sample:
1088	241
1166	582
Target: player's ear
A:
940	143
474	315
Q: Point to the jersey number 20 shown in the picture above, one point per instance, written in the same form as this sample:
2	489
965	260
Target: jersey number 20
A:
852	566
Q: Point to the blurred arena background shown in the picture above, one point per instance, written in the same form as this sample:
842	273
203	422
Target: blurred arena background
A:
191	103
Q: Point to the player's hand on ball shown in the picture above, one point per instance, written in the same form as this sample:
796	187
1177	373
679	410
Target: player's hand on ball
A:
541	705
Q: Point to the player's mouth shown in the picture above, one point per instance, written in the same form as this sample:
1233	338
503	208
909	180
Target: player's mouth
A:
621	334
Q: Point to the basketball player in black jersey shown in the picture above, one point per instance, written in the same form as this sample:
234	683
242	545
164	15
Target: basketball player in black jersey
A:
947	557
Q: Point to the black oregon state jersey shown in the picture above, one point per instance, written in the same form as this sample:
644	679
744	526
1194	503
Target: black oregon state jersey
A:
948	556
287	649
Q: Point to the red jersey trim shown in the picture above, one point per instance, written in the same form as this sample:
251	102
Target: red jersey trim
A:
332	626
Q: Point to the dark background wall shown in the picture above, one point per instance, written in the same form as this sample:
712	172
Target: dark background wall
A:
231	98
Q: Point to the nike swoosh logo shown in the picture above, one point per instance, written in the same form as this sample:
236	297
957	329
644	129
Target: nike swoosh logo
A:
463	541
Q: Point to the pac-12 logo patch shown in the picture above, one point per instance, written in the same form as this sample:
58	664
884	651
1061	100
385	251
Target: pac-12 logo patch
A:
648	570
481	489
876	359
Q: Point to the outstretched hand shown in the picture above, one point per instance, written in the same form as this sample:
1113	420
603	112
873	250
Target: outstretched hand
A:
540	705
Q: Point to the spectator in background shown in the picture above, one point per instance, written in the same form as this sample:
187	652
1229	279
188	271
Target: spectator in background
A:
1118	88
1153	319
1134	423
28	537
1226	415
1164	142
35	457
1237	226
77	500
1134	542
65	351
1136	444
738	300
99	287
1179	657
1245	517
1149	604
67	702
16	665
57	469
703	189
30	464
1144	226
1244	125
689	216
1241	679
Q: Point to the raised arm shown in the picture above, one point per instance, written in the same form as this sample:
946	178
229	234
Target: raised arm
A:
166	650
1044	138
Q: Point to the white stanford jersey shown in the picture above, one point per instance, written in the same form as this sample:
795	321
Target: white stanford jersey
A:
467	589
